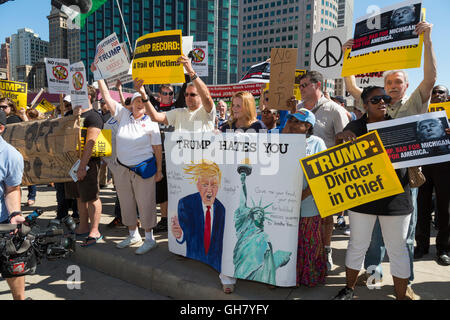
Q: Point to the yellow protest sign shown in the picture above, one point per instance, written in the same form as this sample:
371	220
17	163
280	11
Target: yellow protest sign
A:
16	91
44	106
351	174
102	147
298	74
444	106
155	58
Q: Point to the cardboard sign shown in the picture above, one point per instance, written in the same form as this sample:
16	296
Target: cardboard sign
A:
393	27
416	140
200	58
102	146
16	91
57	75
327	55
78	85
444	106
155	58
350	174
256	202
111	59
282	76
48	148
44	106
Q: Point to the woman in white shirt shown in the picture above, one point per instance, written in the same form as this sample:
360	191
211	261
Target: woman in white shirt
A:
138	143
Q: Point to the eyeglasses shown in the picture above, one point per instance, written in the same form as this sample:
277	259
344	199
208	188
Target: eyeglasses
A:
167	93
3	107
377	99
268	112
304	85
190	94
438	91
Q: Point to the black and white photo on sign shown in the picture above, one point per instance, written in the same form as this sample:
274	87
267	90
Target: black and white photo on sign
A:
392	27
416	140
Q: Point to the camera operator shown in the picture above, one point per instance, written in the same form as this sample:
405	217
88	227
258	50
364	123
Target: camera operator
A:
11	170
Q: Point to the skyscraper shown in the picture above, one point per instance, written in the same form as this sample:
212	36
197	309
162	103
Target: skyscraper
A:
215	21
4	57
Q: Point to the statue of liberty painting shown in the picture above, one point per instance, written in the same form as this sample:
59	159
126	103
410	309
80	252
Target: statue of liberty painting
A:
253	255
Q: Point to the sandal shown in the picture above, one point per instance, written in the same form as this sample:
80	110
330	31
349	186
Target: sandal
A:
228	288
90	241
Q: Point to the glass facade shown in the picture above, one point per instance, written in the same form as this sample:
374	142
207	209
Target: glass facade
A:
215	21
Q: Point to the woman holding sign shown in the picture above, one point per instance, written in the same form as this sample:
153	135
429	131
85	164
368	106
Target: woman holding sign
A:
139	154
393	212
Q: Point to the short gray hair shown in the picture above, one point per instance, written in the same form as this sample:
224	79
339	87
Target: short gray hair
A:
388	73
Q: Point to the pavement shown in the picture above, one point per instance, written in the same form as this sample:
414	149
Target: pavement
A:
175	277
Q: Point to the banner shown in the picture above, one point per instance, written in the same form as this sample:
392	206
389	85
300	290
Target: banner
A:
110	58
155	58
258	73
415	140
444	106
327	52
403	57
16	91
282	77
102	146
48	148
44	106
226	91
350	174
200	58
78	85
392	27
251	185
57	75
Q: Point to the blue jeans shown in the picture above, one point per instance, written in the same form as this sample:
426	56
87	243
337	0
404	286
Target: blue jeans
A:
375	253
32	192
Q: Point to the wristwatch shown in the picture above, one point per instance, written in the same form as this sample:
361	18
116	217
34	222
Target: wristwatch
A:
195	76
144	101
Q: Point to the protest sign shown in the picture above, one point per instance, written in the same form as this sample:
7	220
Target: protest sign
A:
155	58
102	146
110	57
392	27
258	73
327	52
350	174
78	85
282	76
370	79
200	58
125	76
16	91
416	140
298	74
255	182
399	57
48	148
57	75
444	106
44	106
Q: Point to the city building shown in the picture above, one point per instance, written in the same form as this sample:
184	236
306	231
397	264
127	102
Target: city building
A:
4	58
26	49
215	21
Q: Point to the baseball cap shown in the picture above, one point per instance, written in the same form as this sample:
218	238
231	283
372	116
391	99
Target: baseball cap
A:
135	95
303	115
340	99
2	117
68	98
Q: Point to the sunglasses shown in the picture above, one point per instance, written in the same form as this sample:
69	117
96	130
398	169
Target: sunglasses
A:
268	112
3	107
167	93
438	91
377	99
190	94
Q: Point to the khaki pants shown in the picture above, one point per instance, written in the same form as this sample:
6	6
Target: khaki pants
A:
133	191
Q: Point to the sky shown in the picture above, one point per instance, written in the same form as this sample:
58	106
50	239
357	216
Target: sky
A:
33	14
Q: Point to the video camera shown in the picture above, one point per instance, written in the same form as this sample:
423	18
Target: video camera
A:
22	251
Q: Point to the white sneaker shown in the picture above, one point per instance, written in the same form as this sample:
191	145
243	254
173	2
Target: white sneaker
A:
129	241
347	231
146	247
329	259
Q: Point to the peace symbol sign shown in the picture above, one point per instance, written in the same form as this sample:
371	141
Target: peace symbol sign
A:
327	58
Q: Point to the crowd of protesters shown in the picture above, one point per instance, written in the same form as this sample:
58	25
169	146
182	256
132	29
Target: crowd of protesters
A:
138	169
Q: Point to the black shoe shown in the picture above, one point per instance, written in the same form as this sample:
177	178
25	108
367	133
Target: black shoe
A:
161	226
117	222
419	252
344	294
443	258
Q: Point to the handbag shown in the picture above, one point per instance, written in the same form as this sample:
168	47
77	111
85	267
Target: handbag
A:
146	169
416	177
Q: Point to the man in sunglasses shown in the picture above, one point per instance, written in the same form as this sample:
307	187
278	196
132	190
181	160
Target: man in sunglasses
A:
396	84
437	178
200	112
